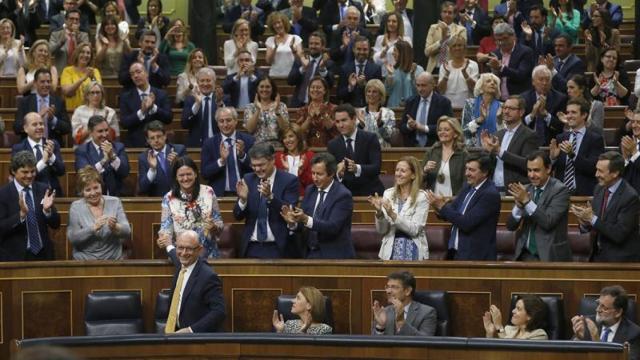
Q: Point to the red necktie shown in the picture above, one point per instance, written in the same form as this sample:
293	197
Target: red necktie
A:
603	207
71	47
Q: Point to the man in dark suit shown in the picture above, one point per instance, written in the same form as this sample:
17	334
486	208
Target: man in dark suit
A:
261	196
154	164
630	152
155	63
613	214
240	88
358	154
304	20
141	105
303	70
50	107
542	106
615	12
198	305
511	62
334	14
510	146
269	6
565	64
224	156
540	214
26	20
575	152
342	40
199	109
473	213
513	12
536	34
56	22
611	313
475	20
419	320
244	10
110	159
26	213
49	164
421	113
48	8
355	74
324	218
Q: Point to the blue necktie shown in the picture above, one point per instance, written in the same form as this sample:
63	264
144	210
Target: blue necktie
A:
231	166
33	235
421	137
312	241
461	209
605	334
349	152
262	218
38	153
162	162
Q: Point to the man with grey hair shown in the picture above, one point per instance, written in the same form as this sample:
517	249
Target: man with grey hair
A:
511	62
261	196
26	212
224	156
198	110
543	104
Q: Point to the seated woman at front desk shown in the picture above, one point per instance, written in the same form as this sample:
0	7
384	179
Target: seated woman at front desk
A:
528	320
310	307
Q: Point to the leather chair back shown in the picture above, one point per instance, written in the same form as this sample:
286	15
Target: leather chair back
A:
163	303
113	313
588	306
555	315
284	302
439	300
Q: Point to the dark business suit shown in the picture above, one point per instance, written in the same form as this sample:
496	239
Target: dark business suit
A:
49	175
308	23
540	49
556	101
231	88
550	220
161	184
285	193
338	54
617	238
202	303
514	158
331	223
367	154
217	175
573	65
477	226
439	106
130	104
86	154
501	9
233	14
584	162
356	96
45	13
158	79
13	246
330	14
632	174
615	12
421	321
297	79
482	28
29	104
26	23
518	73
628	331
197	125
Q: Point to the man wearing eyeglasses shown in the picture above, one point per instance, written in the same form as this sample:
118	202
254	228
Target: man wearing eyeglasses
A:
63	42
610	323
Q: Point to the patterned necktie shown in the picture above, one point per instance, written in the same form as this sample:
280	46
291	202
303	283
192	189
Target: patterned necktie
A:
232	175
421	137
261	231
570	170
605	335
170	327
461	209
33	235
38	152
308	74
71	47
444	51
312	239
360	69
205	118
321	194
533	246
560	65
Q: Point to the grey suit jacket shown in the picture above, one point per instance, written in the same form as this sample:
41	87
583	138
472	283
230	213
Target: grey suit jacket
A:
550	221
421	321
524	142
58	47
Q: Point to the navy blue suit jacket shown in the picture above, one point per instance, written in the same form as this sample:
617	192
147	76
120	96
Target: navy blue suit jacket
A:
231	89
615	11
330	14
198	129
202	303
339	55
285	193
158	79
556	101
162	182
367	154
234	14
29	104
49	175
129	106
477	227
13	246
573	65
332	221
296	79
356	96
518	73
217	175
584	162
547	46
86	154
438	107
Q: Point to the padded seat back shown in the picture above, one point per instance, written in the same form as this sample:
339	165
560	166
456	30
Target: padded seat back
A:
439	300
366	241
227	242
555	315
580	244
113	313
505	244
284	302
588	306
163	303
438	238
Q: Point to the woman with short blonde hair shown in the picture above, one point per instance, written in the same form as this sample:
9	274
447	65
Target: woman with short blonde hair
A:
374	117
12	55
309	305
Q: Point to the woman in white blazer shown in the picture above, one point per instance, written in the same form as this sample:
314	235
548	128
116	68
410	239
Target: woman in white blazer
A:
401	214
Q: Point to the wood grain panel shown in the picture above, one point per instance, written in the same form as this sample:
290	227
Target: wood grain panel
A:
46	313
251	309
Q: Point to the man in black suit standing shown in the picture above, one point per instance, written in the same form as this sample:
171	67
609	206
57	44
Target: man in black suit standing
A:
49	106
358	154
575	152
536	34
155	63
475	20
303	70
421	113
200	107
240	88
154	164
26	212
334	15
304	20
542	106
355	74
611	323
613	214
251	13
343	39
511	62
565	64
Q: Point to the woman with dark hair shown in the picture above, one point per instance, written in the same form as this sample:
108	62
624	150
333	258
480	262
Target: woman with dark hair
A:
176	46
111	9
393	31
153	21
611	82
599	37
528	319
316	118
564	18
444	162
191	206
295	158
76	77
110	46
577	87
309	306
401	75
266	116
187	83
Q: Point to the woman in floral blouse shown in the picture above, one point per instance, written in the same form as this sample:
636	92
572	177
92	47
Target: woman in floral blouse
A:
266	116
191	206
374	117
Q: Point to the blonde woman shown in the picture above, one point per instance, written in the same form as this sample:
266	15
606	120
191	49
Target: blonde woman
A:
444	162
240	40
374	117
94	104
110	46
37	57
483	111
457	78
75	77
282	48
187	82
309	306
401	214
12	55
